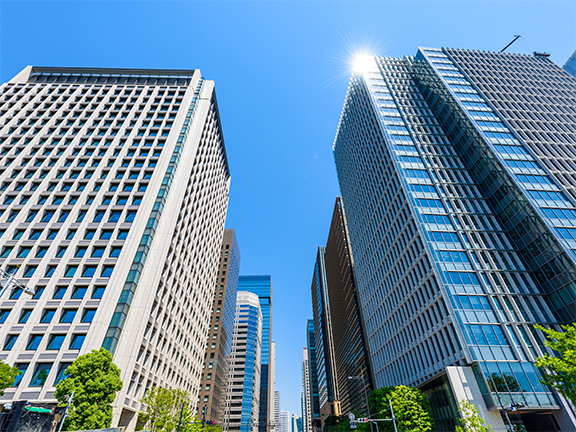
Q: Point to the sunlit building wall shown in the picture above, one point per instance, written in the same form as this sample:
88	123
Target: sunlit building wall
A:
460	210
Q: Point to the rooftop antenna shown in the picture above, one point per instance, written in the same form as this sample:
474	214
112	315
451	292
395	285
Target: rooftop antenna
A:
516	37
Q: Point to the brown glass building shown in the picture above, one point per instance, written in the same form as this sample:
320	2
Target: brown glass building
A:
214	378
350	350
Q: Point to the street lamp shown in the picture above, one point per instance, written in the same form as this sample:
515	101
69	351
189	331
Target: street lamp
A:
361	377
7	281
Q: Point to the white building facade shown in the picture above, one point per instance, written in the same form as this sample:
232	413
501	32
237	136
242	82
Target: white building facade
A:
114	190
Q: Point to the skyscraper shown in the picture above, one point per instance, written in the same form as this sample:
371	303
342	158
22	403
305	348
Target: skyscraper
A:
570	65
460	211
328	398
349	343
114	195
214	380
262	287
310	399
285	421
276	408
242	401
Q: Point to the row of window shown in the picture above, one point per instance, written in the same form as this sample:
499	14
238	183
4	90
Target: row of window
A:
55	341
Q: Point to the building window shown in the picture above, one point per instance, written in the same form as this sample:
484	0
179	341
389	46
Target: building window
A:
79	292
55	342
61	374
22	367
59	292
98	251
9	342
33	342
88	315
107	271
47	316
77	341
40	374
70	271
68	315
98	292
89	271
24	315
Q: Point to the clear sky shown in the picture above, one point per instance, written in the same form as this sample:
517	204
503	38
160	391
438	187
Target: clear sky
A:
281	71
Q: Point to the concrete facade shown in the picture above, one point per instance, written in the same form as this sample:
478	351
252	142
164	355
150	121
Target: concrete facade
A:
115	183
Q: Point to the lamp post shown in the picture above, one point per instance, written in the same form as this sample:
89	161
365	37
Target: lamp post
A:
7	281
361	377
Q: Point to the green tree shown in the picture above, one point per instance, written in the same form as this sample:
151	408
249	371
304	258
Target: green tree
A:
410	406
94	379
163	408
560	371
8	376
470	418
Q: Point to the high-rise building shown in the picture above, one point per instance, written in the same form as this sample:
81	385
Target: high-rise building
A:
242	401
455	168
114	195
328	397
276	408
214	381
351	356
310	399
262	287
296	423
272	384
306	396
284	421
570	65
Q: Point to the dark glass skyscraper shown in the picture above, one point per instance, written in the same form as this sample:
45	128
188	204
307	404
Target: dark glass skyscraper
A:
310	398
456	176
262	287
327	384
350	351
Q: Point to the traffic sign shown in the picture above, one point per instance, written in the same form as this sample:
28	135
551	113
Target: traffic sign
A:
362	420
352	424
351	416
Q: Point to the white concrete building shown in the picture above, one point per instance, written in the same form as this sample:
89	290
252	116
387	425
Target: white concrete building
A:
285	421
113	196
243	397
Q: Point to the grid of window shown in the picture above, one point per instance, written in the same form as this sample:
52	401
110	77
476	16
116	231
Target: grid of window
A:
79	156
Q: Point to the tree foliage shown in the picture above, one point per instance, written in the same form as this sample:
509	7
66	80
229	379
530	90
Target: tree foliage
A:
410	406
560	371
8	376
470	418
165	408
95	380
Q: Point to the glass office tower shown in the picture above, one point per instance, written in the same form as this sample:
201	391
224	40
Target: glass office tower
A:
459	227
324	344
262	287
114	191
570	65
242	398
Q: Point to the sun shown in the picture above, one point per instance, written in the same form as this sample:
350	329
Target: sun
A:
363	62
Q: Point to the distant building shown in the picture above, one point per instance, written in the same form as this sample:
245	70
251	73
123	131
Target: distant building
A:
457	176
214	382
296	423
570	65
310	400
328	396
285	421
277	409
114	187
242	402
262	287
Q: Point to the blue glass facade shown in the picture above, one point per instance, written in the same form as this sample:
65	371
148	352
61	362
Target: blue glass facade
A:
261	285
327	385
570	65
456	229
314	414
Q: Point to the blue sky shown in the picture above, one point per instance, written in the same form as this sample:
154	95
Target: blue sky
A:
281	71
